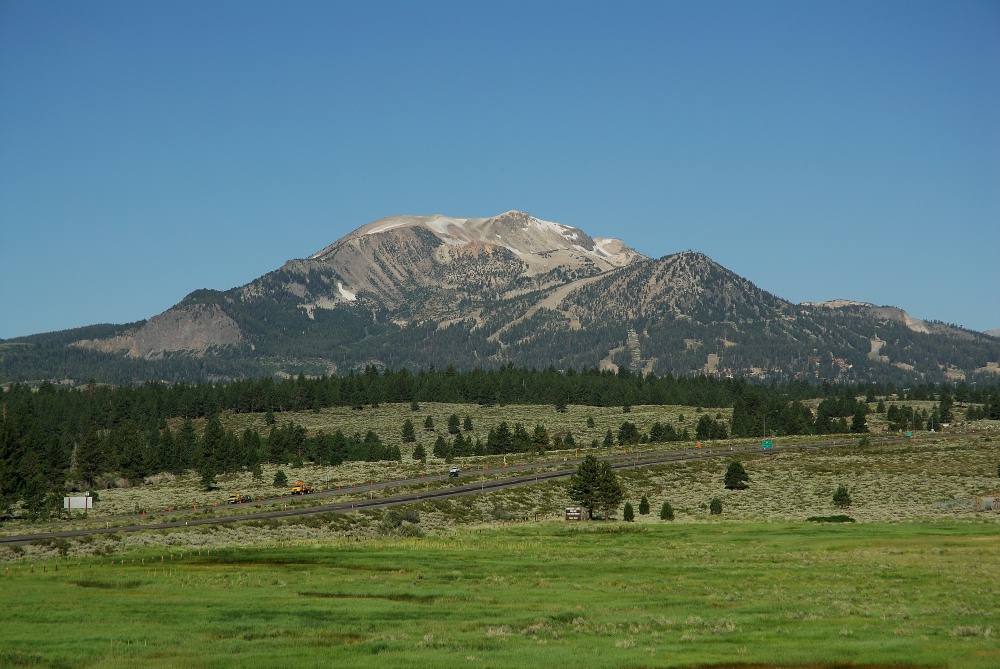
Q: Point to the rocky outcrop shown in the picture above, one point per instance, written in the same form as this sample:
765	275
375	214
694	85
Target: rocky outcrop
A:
193	328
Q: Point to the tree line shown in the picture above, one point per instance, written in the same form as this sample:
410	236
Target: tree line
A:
50	435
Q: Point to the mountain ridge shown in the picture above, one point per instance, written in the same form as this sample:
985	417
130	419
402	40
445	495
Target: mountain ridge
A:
514	289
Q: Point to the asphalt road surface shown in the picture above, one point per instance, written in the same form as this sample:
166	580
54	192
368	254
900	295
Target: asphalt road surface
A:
534	474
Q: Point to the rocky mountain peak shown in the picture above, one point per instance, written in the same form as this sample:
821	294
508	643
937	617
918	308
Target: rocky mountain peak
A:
430	289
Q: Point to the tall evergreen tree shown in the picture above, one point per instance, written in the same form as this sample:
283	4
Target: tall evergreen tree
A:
250	447
88	457
584	485
187	445
611	491
441	448
540	438
859	421
207	473
211	443
946	404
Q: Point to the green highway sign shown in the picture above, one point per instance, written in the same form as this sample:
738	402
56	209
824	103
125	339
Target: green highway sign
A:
767	443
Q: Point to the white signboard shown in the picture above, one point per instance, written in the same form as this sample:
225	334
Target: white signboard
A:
78	503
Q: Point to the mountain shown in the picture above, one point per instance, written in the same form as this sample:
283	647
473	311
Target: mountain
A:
511	289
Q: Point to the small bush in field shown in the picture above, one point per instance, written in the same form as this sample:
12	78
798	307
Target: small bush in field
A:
666	511
841	498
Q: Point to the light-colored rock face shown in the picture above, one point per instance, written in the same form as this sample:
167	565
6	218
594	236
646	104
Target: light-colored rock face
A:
502	256
836	304
886	313
194	328
385	263
529	238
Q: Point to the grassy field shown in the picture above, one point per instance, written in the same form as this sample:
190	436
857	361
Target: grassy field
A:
498	581
547	594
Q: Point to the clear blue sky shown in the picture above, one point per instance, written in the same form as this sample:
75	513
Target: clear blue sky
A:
821	149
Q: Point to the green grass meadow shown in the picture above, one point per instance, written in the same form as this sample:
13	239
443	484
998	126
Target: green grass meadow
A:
537	595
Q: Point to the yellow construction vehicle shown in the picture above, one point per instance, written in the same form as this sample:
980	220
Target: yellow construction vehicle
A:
300	488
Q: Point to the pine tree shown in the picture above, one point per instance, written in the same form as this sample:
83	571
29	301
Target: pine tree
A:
453	425
440	449
710	429
945	405
628	433
666	511
420	453
429	424
841	498
34	497
609	439
644	506
715	507
280	479
169	458
859	422
88	458
467	425
540	438
610	489
459	447
250	447
584	486
207	473
409	433
627	514
736	477
187	445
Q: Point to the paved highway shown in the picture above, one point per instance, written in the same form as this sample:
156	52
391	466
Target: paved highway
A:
535	473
